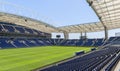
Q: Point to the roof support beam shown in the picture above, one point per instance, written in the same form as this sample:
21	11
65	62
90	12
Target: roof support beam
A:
85	35
81	35
106	33
105	28
66	35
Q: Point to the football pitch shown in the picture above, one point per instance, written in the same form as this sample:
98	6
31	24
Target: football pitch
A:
27	59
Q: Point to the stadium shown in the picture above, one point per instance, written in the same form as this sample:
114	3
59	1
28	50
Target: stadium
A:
26	43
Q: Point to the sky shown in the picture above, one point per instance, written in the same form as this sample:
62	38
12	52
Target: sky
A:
59	12
55	12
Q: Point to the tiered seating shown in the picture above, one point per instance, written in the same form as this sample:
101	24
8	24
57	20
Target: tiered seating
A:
70	42
39	42
20	30
13	28
19	42
99	42
93	61
30	42
1	28
46	42
116	41
9	28
22	34
29	31
89	42
79	42
22	42
6	43
110	40
62	42
112	64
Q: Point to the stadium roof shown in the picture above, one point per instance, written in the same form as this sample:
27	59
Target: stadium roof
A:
108	12
88	27
28	22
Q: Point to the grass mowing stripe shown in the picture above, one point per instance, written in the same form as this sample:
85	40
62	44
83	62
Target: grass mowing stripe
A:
25	53
18	58
49	57
35	60
26	59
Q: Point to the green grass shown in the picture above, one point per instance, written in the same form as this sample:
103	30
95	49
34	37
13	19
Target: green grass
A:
26	59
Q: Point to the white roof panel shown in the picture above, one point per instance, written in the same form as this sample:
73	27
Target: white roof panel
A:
31	23
108	11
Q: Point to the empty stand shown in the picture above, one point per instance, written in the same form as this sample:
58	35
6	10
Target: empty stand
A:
91	62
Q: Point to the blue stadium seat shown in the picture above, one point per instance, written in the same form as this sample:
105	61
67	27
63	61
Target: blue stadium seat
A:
9	28
88	42
20	29
1	28
98	42
79	42
6	43
19	42
29	30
